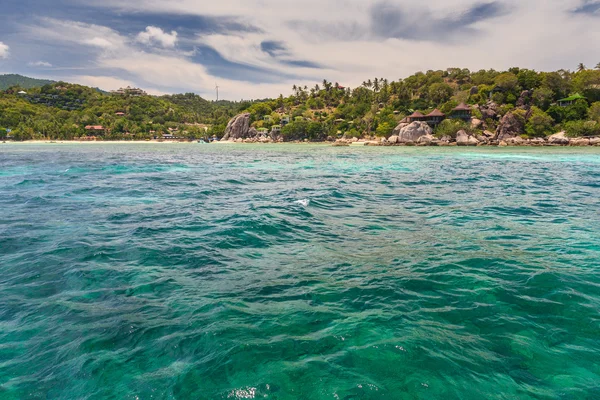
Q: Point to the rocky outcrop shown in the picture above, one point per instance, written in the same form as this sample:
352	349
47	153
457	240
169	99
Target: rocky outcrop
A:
426	139
476	123
398	128
580	142
489	111
237	128
510	126
393	139
413	131
464	139
594	141
524	99
559	138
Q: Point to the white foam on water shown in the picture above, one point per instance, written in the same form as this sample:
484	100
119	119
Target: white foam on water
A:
303	202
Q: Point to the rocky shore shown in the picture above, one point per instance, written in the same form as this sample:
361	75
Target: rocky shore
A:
509	132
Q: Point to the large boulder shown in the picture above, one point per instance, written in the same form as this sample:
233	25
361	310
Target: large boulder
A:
559	138
595	141
426	139
237	128
398	128
510	126
489	111
393	139
464	139
580	142
413	131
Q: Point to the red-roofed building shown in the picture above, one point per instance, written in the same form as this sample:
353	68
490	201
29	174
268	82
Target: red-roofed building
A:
463	112
97	129
416	116
435	117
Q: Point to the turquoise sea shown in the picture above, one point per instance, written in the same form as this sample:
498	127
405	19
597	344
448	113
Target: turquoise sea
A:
189	271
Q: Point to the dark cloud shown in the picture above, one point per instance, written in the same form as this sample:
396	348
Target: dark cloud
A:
392	21
280	52
589	7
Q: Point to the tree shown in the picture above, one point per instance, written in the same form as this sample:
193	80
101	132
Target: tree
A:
581	67
598	66
539	123
440	93
507	81
594	112
528	79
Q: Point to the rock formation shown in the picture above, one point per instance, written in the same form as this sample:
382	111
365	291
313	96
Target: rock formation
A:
464	139
489	111
413	131
237	128
510	126
559	138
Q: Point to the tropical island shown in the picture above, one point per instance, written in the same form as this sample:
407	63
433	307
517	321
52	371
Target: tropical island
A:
445	107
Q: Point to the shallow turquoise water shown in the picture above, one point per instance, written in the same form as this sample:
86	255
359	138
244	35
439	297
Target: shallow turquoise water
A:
298	272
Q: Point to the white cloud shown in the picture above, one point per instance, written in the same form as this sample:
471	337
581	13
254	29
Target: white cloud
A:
156	35
39	64
4	50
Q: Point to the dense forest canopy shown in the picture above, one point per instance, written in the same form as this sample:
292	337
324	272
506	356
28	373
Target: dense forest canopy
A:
62	111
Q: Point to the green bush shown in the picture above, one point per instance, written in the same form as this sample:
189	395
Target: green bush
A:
582	128
539	123
449	127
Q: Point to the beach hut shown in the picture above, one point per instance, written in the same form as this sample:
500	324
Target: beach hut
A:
435	117
462	111
416	116
570	100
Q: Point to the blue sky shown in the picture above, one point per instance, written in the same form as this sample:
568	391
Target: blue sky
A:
260	48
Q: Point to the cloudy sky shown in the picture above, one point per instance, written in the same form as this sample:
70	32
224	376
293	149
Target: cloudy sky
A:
260	48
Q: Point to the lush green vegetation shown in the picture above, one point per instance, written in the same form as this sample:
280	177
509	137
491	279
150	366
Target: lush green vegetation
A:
61	111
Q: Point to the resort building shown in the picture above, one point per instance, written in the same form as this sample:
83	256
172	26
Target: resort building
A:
569	101
463	112
435	117
96	129
263	131
276	129
267	118
285	119
129	91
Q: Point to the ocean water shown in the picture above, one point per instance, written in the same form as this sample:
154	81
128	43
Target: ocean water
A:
193	271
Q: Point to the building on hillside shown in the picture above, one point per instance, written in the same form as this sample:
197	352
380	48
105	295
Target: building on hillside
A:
263	131
129	91
95	129
570	100
415	116
276	129
267	118
285	119
463	112
435	117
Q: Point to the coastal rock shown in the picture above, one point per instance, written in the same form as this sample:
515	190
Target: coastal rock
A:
559	138
510	126
398	128
537	142
488	134
445	139
482	139
237	128
594	141
580	142
476	123
427	139
393	139
516	141
413	132
252	132
464	139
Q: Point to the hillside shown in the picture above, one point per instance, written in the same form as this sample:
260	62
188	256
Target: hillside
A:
24	82
516	103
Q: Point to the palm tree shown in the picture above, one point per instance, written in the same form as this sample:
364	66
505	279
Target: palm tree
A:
581	67
598	66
